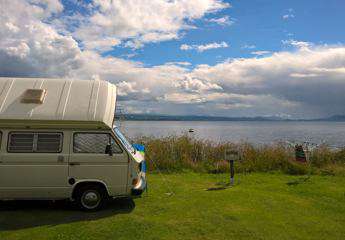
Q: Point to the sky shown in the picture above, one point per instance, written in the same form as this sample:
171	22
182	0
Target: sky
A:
187	57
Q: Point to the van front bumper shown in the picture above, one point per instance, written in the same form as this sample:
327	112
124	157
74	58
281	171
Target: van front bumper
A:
136	192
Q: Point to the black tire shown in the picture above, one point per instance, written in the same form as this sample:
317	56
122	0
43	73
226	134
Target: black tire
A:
91	197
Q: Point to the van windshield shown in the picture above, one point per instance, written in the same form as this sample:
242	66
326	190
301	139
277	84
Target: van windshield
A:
124	140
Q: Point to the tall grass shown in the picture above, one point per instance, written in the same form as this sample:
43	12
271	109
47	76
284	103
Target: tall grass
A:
178	153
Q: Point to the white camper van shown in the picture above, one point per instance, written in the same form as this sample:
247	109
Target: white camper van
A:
57	141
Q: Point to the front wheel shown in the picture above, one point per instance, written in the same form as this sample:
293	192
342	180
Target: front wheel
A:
91	198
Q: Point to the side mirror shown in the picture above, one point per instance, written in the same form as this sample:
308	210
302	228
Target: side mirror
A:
109	150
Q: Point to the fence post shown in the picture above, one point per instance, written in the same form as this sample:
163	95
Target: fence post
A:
231	156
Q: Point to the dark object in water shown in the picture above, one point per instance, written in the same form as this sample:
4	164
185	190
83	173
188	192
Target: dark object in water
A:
191	130
300	154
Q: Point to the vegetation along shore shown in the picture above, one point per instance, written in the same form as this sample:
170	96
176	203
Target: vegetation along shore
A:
179	153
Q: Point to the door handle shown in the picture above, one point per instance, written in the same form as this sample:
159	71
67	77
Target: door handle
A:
74	163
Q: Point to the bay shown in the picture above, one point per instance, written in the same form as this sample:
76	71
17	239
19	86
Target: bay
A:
255	132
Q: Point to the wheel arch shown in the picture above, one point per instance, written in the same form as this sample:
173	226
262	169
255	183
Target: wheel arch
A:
86	182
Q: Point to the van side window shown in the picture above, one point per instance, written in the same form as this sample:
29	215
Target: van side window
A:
93	143
21	142
35	142
49	142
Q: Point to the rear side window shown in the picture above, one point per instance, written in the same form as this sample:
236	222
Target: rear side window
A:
35	142
21	142
49	142
93	143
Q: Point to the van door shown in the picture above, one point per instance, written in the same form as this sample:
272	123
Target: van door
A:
90	162
34	165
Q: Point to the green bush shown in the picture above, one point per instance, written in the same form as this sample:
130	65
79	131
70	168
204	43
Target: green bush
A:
295	168
178	153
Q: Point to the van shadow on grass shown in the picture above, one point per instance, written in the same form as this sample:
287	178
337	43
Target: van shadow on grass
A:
15	215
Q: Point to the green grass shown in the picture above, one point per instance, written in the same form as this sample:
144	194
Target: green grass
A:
260	206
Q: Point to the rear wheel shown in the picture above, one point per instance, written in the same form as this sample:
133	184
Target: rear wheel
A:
91	197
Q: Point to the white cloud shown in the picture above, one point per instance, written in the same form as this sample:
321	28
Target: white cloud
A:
186	47
287	16
225	106
127	88
303	75
260	53
140	22
194	85
11	27
223	21
182	98
21	50
307	81
298	44
102	45
201	48
179	63
31	47
248	46
45	8
129	55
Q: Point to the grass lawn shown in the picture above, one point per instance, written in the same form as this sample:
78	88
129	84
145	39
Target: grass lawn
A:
260	206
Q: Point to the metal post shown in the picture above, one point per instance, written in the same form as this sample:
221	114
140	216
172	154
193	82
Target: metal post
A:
231	155
232	172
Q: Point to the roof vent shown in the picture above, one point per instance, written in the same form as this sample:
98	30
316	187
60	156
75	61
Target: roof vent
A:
34	96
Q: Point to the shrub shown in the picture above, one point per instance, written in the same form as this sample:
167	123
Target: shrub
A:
178	153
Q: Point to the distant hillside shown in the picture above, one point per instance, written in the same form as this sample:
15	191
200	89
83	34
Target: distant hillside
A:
149	117
335	118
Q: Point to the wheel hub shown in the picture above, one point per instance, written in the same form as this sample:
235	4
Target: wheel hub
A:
90	200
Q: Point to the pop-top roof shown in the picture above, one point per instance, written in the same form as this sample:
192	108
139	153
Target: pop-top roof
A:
57	100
